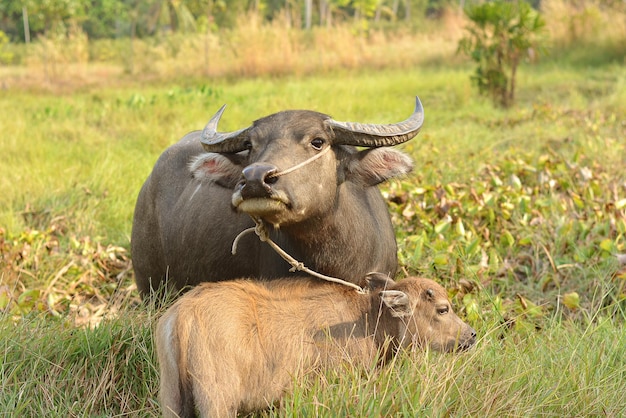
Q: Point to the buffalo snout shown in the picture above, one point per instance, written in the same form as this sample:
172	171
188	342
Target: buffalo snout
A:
257	180
466	340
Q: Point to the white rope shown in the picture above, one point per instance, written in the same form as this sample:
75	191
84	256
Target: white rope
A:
302	164
296	265
233	250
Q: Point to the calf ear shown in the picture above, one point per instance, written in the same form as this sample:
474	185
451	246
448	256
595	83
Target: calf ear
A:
378	281
218	168
397	301
373	166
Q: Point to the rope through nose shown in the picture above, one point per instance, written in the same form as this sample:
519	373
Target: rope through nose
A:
300	165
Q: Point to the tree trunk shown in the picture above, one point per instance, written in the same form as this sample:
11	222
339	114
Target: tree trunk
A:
308	5
131	56
394	8
26	25
511	95
329	16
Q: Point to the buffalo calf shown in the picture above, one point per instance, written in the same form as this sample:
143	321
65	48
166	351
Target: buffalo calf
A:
236	346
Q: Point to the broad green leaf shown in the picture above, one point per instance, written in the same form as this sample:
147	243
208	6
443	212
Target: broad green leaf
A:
607	245
440	259
571	300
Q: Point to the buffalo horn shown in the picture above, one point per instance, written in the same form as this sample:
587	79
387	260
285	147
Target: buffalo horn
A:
224	142
373	135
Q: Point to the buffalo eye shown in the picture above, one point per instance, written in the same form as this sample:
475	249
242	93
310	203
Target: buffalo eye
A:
247	144
317	143
442	310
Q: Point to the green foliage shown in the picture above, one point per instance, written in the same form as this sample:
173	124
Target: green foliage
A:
6	56
502	33
526	219
54	16
144	18
104	18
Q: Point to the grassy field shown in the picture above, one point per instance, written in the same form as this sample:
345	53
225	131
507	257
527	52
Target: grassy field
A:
521	214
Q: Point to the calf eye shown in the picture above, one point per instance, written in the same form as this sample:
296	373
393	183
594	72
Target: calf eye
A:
317	143
442	310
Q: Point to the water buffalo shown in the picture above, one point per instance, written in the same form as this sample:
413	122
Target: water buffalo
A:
298	171
237	346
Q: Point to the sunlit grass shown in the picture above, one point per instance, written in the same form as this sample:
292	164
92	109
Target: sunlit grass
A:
562	367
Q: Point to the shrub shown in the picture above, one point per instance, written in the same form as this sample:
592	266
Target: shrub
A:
6	56
501	34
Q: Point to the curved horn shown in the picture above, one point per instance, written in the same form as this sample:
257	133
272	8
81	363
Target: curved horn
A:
372	135
224	142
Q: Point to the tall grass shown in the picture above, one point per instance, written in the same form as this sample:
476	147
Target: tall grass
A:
563	371
50	368
251	49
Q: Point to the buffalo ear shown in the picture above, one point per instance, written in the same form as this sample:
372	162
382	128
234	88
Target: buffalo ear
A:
373	166
397	301
378	281
222	169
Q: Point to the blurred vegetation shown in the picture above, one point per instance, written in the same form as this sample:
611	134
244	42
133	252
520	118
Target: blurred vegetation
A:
30	19
265	40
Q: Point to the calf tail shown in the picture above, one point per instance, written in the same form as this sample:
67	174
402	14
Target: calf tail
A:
176	392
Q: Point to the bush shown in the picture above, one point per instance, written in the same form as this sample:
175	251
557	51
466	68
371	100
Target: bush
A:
6	56
502	33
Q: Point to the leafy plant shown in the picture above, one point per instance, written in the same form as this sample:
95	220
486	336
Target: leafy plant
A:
5	56
502	33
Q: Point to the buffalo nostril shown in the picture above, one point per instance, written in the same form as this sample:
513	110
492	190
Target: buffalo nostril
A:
257	180
260	173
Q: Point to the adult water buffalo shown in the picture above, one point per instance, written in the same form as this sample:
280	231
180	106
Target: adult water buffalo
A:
299	172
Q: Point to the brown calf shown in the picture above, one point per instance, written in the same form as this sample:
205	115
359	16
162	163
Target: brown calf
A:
236	346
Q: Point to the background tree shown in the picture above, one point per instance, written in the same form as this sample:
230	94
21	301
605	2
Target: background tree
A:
501	34
105	19
43	16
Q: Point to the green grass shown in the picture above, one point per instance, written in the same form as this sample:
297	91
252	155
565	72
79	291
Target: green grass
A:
563	371
514	211
567	368
51	368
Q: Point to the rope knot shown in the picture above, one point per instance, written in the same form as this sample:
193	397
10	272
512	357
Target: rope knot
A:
261	231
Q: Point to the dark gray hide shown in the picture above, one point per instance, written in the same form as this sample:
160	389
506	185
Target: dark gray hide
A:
327	214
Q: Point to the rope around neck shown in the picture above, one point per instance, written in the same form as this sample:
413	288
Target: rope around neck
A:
296	265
